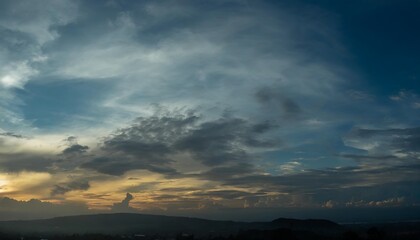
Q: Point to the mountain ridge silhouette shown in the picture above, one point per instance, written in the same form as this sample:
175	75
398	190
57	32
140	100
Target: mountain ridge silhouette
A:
115	223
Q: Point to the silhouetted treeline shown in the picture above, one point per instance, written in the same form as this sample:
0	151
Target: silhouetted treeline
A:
358	233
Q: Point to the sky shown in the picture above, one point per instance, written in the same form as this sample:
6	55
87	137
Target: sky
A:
225	109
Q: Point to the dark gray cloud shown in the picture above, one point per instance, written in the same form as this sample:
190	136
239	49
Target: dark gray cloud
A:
227	194
21	44
75	149
71	139
276	100
314	180
121	164
63	188
180	189
382	160
228	172
11	209
147	144
223	140
124	205
328	188
150	143
10	134
96	196
16	162
263	127
365	158
315	187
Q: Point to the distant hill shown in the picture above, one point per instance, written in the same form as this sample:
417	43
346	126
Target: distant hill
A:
147	224
308	224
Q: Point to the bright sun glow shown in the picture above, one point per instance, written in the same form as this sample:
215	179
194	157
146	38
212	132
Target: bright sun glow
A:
3	183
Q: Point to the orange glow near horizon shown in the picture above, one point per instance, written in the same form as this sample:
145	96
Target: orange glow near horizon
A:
3	183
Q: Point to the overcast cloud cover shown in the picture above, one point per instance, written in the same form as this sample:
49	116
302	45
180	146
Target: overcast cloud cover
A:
228	109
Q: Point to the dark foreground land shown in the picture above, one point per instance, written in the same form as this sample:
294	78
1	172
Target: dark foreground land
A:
149	227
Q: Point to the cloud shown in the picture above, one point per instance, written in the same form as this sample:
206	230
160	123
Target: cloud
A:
291	167
406	97
124	205
119	166
25	30
10	134
360	95
75	149
63	188
402	95
12	209
227	172
151	142
315	182
38	19
226	194
70	140
224	146
223	140
226	55
395	141
391	202
147	144
272	99
16	74
143	187
17	162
